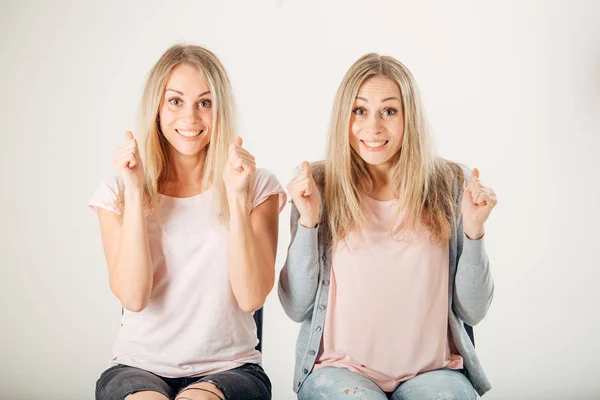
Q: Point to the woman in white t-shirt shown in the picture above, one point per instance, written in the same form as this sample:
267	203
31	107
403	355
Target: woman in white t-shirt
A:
189	231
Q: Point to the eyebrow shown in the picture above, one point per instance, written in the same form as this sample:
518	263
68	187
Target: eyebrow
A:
384	100
181	93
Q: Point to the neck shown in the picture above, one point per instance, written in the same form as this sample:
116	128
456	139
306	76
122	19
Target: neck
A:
184	173
381	177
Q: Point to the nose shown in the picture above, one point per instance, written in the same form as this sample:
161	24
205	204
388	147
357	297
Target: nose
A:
373	124
190	114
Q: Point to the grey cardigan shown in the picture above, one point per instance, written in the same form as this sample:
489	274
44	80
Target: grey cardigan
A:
304	289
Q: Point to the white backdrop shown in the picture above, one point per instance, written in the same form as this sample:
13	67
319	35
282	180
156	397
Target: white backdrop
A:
511	87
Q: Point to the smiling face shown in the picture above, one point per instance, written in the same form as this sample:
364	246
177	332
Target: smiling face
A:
186	114
377	122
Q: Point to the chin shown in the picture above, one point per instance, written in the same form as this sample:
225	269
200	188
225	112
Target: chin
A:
375	161
188	150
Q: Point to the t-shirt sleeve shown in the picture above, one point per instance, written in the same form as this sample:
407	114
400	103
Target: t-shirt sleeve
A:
266	185
106	196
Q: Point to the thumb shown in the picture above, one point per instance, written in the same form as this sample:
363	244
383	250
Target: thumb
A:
475	173
306	167
238	141
128	136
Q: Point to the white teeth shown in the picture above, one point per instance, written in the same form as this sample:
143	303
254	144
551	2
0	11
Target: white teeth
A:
188	133
375	144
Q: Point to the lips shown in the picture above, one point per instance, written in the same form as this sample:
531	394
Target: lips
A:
375	145
189	134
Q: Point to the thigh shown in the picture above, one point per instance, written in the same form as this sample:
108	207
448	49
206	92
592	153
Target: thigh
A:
120	381
246	382
443	384
339	383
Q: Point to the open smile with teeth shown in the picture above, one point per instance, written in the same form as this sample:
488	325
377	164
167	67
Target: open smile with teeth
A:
189	134
375	145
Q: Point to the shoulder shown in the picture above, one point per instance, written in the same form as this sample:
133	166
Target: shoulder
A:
263	175
264	185
450	172
107	194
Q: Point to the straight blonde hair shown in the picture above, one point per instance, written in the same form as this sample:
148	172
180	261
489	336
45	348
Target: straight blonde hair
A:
423	181
155	149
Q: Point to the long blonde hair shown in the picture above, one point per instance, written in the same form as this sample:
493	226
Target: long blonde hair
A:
423	181
155	150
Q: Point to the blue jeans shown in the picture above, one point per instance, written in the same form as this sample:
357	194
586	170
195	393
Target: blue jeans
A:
339	383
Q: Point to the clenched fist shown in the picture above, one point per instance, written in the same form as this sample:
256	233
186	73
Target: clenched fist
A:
477	204
306	197
128	163
239	169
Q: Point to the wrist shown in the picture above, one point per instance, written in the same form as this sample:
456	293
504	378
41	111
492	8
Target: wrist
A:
133	193
474	232
238	204
309	223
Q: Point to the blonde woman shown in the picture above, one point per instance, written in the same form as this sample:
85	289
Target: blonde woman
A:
387	258
189	230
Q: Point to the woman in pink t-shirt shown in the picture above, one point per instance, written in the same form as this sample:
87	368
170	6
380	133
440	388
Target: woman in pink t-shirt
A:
384	269
189	230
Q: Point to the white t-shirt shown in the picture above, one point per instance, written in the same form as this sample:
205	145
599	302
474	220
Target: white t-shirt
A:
192	325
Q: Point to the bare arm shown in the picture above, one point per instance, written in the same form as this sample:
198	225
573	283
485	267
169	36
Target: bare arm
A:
127	253
126	242
252	250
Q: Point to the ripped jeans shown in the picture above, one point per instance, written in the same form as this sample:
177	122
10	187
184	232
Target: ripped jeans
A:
341	384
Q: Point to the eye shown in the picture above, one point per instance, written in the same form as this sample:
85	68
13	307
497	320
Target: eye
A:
388	112
175	101
359	111
205	104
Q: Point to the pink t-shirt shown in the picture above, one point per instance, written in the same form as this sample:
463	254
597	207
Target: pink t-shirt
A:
387	314
192	325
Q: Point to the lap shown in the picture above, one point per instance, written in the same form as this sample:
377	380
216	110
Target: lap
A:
246	382
444	384
120	381
339	383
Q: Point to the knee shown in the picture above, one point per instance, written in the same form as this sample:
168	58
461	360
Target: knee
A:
200	391
146	395
441	384
456	387
456	394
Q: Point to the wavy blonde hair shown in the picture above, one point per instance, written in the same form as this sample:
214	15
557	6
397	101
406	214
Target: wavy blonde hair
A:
423	181
155	149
